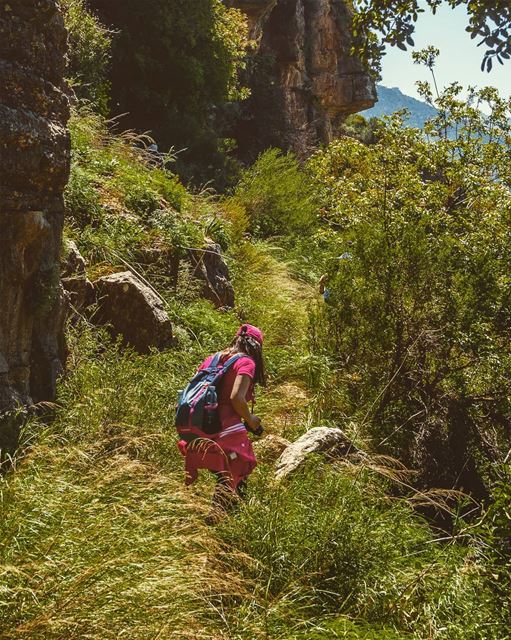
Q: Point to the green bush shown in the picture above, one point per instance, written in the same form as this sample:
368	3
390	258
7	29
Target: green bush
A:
175	65
417	324
89	54
278	196
82	197
330	542
117	202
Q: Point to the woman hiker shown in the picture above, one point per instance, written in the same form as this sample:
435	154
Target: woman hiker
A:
228	453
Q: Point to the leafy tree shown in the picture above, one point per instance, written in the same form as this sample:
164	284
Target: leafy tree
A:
175	64
394	20
418	323
89	54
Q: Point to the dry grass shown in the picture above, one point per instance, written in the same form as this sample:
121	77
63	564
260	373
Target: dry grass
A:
102	545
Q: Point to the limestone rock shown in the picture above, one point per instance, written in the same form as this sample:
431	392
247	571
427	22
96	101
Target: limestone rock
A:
332	442
34	168
74	279
305	82
133	311
74	263
210	267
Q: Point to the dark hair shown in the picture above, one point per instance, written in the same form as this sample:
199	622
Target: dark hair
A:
254	349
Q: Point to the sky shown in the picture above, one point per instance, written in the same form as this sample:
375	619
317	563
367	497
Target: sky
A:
460	57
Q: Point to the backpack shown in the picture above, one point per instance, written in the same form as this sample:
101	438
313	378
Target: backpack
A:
197	404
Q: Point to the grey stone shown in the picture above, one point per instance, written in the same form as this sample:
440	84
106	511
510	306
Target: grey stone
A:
74	263
210	267
34	168
331	442
74	279
133	311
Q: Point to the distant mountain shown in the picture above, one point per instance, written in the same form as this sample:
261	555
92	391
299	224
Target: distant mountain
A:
393	99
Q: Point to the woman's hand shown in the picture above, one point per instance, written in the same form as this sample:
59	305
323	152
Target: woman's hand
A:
253	423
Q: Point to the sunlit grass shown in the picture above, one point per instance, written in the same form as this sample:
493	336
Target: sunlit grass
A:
100	539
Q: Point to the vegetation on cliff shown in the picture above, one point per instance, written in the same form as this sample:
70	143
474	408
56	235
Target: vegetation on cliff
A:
174	68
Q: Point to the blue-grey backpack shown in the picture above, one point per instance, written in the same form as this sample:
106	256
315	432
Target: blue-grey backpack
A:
197	404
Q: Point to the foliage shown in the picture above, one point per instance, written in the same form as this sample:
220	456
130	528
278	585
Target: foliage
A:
494	533
306	549
362	129
98	536
119	203
269	297
174	66
417	326
89	54
490	20
84	544
277	195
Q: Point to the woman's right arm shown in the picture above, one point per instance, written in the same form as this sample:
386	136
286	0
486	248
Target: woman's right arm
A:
238	398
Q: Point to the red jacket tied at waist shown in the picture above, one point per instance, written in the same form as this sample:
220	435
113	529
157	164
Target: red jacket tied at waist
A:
229	451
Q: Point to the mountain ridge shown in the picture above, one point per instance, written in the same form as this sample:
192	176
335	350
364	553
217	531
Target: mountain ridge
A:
391	99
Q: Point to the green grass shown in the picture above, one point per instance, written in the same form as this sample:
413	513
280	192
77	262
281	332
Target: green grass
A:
100	539
331	541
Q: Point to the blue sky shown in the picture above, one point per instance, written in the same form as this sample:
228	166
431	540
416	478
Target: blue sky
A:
460	57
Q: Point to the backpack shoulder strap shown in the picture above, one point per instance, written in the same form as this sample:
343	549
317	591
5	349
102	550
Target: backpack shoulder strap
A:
233	359
216	360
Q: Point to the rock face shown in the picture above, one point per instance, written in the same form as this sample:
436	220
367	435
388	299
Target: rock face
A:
34	168
74	279
133	311
210	267
304	82
332	442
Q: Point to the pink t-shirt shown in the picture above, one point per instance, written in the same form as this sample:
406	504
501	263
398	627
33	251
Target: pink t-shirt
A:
242	366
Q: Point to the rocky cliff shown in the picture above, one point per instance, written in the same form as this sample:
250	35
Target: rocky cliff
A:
34	166
304	81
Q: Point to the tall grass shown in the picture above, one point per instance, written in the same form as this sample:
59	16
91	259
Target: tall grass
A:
100	539
331	541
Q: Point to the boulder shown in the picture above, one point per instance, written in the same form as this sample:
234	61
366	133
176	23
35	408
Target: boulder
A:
210	267
74	279
133	311
332	442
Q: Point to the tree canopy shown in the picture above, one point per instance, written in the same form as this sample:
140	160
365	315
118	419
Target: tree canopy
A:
174	64
378	23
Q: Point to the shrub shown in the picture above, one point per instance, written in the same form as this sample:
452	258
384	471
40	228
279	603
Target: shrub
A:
418	321
82	197
278	195
174	66
117	201
89	54
330	542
